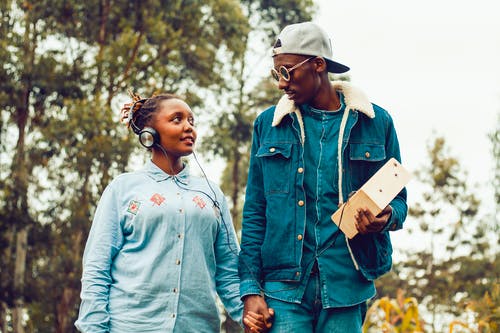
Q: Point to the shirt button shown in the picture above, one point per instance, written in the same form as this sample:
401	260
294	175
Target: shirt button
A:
173	315
177	262
179	236
174	290
300	170
272	150
299	237
301	203
181	210
367	154
297	273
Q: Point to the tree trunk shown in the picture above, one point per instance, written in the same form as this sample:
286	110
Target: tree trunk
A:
70	294
64	318
235	193
19	272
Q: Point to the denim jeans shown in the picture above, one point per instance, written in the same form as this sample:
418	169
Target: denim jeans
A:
309	316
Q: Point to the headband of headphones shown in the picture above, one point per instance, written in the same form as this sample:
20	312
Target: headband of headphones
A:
136	129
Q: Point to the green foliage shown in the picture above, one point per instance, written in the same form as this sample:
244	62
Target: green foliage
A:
248	93
65	64
495	150
398	315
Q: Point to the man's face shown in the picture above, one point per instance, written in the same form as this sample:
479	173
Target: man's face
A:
304	80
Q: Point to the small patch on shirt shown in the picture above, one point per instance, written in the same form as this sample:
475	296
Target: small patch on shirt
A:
199	202
133	207
157	199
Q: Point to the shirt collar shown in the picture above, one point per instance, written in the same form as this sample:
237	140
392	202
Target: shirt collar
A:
159	175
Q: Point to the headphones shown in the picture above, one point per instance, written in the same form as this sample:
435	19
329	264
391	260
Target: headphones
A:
148	136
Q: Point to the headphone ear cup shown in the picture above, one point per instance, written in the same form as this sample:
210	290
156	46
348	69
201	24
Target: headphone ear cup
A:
148	137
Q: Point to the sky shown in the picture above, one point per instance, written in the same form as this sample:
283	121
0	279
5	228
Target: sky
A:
435	66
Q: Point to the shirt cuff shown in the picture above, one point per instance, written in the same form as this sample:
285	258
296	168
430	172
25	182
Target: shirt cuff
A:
249	287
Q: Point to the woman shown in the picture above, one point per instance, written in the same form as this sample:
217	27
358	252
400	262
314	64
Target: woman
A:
161	245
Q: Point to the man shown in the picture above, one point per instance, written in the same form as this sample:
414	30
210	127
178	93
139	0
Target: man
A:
322	141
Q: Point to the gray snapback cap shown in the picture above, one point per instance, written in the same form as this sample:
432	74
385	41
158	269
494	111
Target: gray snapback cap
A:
307	39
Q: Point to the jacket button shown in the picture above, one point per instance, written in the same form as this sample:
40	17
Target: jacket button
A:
300	170
301	203
297	273
299	237
367	154
272	150
177	262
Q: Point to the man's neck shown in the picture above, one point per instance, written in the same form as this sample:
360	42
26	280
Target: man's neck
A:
326	98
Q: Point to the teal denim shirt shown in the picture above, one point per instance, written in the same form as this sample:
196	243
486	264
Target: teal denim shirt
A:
274	212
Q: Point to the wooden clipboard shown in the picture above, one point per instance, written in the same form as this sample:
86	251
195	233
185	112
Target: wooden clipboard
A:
374	195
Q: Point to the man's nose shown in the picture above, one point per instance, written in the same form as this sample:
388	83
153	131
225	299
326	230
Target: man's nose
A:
282	83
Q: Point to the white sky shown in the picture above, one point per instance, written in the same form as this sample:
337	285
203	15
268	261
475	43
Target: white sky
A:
433	64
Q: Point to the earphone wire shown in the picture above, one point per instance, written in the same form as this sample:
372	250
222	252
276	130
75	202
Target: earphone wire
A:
216	204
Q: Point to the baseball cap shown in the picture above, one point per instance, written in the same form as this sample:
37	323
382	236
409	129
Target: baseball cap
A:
307	38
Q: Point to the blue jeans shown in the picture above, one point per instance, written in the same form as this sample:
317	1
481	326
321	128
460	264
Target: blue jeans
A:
310	317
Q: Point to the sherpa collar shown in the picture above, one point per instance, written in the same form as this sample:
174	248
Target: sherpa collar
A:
354	99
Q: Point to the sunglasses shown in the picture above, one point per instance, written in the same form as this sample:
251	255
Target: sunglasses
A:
285	73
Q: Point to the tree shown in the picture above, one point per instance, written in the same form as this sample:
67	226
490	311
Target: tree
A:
66	64
248	92
457	262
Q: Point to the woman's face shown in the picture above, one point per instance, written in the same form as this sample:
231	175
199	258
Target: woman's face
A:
174	122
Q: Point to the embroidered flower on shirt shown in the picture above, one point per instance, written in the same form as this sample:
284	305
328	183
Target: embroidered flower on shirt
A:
157	199
133	207
199	202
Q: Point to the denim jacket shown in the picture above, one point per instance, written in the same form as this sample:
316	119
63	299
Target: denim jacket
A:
274	212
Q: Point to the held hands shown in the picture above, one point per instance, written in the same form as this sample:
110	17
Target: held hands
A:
366	222
257	317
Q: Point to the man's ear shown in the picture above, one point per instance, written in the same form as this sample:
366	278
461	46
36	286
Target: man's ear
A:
320	64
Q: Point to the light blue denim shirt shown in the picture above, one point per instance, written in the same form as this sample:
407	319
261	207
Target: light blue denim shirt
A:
157	255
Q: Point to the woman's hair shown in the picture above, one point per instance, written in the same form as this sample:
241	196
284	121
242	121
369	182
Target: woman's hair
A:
143	111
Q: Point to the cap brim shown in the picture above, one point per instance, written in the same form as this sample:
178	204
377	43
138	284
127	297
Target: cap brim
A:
335	67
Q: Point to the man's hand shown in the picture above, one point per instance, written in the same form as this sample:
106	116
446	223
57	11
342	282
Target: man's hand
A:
257	317
366	222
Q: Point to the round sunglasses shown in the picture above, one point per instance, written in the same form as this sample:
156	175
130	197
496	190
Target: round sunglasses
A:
285	73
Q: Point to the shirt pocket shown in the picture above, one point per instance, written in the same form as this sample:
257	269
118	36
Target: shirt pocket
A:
276	164
367	152
365	159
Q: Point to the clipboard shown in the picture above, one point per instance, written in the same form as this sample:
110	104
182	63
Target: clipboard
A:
374	195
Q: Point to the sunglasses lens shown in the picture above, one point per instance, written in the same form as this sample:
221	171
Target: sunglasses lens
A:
284	73
274	74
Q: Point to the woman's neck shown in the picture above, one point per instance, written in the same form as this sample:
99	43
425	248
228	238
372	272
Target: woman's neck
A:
168	163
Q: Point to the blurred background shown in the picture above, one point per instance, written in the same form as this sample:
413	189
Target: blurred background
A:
66	68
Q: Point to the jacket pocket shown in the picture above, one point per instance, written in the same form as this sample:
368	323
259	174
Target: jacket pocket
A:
364	160
367	152
276	163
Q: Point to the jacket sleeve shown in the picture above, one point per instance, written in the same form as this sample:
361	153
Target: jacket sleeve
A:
398	204
226	256
254	223
103	244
